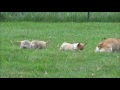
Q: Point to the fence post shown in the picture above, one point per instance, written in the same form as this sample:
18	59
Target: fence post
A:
88	17
0	14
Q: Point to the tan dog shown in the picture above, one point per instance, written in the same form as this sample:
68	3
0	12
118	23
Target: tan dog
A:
71	47
24	44
35	44
108	45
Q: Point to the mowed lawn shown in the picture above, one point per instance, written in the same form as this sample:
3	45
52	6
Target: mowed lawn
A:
52	63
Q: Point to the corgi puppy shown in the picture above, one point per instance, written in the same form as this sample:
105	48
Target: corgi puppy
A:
35	44
108	45
75	46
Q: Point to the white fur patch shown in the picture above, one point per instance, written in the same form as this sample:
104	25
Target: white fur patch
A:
102	50
97	49
111	49
75	45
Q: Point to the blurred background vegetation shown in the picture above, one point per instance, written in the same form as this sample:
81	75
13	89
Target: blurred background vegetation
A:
61	16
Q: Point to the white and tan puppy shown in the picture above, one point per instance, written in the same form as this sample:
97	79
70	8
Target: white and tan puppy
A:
108	45
24	44
75	46
35	44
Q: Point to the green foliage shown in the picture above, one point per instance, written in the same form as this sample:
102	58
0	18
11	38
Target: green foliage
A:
60	16
52	63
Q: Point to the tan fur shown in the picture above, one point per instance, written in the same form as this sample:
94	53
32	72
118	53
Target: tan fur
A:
35	44
109	45
75	46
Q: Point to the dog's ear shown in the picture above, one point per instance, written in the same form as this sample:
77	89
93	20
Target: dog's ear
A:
78	45
85	44
100	45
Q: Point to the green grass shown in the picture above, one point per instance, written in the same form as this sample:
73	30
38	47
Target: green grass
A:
52	63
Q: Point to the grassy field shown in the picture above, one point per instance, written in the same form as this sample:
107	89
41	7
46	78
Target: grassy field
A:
52	63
